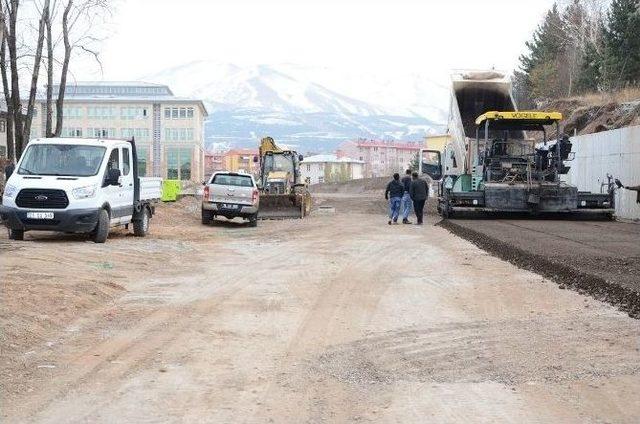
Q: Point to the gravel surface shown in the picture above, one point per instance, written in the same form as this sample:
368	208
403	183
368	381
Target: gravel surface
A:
600	258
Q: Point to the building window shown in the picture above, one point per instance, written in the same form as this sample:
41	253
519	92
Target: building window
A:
72	112
178	112
71	132
100	112
141	134
101	132
178	134
143	154
179	163
131	113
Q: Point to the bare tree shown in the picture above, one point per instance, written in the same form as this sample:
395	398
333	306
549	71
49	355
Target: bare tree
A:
76	34
37	60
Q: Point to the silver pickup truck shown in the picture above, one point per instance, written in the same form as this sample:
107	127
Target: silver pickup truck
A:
231	195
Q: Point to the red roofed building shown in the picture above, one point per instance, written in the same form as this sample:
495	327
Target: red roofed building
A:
381	158
213	161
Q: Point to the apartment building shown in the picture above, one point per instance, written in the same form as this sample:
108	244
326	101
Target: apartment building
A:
241	160
213	162
331	169
381	158
169	130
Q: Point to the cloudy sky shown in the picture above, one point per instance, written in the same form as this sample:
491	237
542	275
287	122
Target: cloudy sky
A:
147	36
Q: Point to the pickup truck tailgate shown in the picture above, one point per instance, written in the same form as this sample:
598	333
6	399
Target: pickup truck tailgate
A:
232	188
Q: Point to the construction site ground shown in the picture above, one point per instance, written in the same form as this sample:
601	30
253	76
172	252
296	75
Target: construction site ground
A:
335	318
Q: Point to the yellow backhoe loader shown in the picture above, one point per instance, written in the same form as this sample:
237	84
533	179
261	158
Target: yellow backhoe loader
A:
283	194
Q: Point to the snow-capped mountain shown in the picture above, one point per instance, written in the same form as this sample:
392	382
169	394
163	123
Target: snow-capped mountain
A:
314	108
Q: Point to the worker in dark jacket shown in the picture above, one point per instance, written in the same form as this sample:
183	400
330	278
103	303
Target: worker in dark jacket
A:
406	197
393	194
419	192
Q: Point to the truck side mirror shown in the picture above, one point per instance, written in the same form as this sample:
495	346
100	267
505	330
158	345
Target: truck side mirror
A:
8	171
300	158
113	177
431	163
255	159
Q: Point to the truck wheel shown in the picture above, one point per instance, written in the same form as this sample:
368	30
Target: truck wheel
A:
16	234
207	216
141	226
101	232
253	220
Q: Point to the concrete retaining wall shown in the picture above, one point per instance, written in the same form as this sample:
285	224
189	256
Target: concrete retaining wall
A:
615	152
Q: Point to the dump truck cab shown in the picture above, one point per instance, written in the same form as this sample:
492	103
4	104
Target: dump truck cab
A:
513	167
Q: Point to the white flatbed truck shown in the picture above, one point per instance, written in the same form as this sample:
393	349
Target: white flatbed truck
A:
78	185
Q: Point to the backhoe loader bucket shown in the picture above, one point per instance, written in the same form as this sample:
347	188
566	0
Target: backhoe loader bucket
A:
285	206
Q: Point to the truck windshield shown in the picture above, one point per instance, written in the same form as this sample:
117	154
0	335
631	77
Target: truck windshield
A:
61	159
232	180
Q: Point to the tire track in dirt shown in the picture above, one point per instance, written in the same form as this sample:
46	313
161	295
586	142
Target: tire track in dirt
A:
119	357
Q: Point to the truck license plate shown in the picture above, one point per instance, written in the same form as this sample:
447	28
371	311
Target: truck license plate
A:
229	206
40	215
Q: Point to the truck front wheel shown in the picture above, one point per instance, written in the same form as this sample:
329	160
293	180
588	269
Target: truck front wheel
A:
16	234
101	232
141	226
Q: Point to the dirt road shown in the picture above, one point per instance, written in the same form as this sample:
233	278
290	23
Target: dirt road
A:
336	318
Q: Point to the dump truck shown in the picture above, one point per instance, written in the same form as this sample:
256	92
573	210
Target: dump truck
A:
283	193
499	159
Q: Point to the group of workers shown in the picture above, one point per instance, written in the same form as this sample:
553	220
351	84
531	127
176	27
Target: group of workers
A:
402	194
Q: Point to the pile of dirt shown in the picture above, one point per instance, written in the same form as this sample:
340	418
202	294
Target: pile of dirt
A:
353	186
587	115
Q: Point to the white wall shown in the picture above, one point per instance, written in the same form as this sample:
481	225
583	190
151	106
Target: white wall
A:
615	152
312	170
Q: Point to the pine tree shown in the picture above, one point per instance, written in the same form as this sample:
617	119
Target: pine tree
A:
621	64
546	43
539	70
590	76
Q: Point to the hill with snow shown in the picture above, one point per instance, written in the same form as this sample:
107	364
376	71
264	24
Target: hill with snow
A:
314	108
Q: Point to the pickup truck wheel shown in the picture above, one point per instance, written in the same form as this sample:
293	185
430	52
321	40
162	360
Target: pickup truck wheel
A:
141	226
207	217
101	232
253	220
16	234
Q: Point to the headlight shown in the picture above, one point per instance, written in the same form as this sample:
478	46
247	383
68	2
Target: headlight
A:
9	190
84	192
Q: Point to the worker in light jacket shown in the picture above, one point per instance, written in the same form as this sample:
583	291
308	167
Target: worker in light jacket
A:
419	192
406	197
393	194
